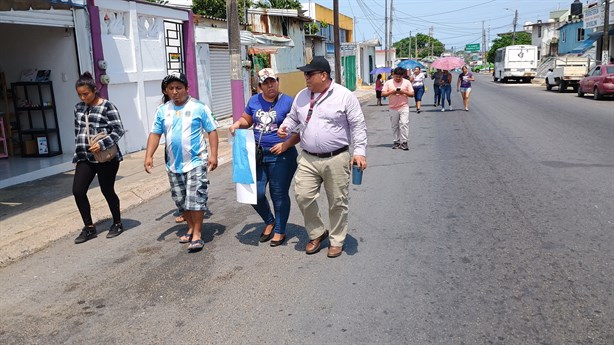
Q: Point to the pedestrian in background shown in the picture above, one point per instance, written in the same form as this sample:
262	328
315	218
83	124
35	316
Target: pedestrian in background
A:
94	115
445	87
276	165
378	89
436	77
329	118
417	83
183	122
398	89
464	85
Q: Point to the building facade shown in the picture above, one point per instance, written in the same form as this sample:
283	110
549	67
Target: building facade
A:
323	17
129	46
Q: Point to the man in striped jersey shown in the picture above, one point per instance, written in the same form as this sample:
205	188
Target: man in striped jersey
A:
183	120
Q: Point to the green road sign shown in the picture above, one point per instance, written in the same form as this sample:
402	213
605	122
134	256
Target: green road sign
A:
475	47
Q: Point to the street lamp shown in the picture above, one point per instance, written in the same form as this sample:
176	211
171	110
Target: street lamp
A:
515	21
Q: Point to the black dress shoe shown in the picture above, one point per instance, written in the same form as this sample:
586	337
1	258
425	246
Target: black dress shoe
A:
278	243
265	237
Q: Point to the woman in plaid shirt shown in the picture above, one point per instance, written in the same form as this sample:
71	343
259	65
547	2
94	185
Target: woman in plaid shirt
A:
103	117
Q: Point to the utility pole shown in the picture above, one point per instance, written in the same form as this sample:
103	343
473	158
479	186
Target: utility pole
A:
431	34
337	42
389	63
409	46
606	37
515	22
483	43
236	70
488	39
386	33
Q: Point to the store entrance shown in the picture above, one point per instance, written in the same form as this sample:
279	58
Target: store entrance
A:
39	54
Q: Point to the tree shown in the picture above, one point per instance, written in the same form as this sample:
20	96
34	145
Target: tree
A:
217	8
280	4
424	46
506	40
313	28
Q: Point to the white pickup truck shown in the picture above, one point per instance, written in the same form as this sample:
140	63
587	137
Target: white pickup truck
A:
567	71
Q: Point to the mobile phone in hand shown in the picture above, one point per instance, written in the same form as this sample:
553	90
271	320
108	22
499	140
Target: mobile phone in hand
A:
398	89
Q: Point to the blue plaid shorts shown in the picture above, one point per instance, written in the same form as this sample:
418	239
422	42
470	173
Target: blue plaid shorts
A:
189	190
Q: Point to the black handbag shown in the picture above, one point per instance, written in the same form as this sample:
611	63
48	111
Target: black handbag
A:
259	154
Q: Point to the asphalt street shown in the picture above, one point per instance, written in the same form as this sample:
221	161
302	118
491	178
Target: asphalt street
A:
494	228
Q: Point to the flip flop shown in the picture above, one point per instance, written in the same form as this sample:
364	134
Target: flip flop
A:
185	238
179	219
196	245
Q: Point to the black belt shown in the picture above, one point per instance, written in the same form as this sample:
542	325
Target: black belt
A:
327	154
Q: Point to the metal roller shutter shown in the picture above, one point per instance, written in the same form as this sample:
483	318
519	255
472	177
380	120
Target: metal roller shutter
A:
221	96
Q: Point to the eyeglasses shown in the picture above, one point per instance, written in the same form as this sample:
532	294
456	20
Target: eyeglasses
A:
310	74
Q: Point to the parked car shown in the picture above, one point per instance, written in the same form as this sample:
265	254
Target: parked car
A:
599	81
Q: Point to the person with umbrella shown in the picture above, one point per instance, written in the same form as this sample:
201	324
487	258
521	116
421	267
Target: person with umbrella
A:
436	77
446	64
398	89
445	87
378	89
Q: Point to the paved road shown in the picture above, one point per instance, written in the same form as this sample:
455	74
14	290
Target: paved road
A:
495	228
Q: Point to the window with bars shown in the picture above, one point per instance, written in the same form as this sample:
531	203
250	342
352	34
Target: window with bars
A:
173	41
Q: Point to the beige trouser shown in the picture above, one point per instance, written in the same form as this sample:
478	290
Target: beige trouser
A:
334	174
399	120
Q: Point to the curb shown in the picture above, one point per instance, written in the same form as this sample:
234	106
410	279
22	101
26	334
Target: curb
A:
61	218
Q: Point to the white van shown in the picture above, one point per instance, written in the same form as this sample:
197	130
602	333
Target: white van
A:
517	62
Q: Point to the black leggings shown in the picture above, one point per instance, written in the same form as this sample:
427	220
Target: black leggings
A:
84	175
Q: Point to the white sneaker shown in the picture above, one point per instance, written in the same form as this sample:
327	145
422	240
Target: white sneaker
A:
443	109
450	108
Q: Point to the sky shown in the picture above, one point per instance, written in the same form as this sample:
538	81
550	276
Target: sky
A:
454	22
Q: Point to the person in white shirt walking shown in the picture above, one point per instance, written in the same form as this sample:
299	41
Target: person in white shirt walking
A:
329	118
417	82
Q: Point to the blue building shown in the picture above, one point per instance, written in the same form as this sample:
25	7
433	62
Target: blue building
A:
573	38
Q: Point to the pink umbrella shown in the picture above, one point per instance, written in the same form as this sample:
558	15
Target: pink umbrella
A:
448	63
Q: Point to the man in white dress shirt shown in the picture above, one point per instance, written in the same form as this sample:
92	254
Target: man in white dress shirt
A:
329	118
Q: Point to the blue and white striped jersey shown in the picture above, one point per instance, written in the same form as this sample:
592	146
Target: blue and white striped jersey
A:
183	128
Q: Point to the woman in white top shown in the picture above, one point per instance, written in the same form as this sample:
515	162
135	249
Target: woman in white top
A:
417	82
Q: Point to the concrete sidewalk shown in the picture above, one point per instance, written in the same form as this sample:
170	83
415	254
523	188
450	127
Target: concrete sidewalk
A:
36	213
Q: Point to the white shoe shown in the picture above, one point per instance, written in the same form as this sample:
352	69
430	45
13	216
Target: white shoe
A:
450	108
443	109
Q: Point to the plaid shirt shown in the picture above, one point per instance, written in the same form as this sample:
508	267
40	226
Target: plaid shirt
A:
103	118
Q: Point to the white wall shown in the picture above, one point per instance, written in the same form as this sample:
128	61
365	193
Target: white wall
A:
380	57
25	46
134	48
365	52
